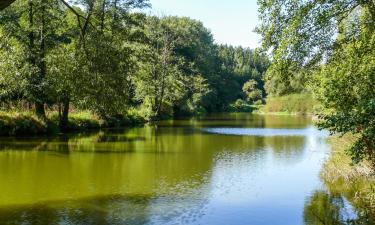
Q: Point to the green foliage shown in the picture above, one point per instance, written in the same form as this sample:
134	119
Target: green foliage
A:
345	86
184	73
238	65
240	106
300	35
157	83
294	104
103	57
26	123
252	91
12	81
21	124
330	44
285	77
354	181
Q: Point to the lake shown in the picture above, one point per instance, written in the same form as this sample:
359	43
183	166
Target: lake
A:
220	169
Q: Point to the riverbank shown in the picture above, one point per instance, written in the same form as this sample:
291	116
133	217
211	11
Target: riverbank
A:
26	123
293	104
355	182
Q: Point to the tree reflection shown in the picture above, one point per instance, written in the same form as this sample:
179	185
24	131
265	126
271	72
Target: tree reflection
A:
326	209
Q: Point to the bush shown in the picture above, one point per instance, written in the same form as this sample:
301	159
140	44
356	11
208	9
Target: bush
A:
12	123
16	124
240	106
84	120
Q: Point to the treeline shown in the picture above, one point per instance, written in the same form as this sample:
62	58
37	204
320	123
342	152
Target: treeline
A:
106	57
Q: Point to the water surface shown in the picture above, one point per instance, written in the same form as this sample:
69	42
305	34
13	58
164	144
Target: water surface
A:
221	169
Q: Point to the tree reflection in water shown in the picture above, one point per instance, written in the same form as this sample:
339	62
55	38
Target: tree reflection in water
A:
327	209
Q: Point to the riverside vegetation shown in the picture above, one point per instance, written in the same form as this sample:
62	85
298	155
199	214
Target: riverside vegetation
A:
327	48
103	63
108	59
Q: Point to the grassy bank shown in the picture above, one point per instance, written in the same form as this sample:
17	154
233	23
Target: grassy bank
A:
289	104
26	123
355	182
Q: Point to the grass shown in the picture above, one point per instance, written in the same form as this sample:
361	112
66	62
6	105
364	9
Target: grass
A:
289	104
21	123
355	182
13	123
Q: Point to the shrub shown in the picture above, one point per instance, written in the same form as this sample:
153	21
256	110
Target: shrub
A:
240	106
12	123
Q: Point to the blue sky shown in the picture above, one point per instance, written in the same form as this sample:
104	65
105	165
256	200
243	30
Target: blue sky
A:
231	22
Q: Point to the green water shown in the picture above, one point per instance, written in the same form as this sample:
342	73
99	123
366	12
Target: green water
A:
221	169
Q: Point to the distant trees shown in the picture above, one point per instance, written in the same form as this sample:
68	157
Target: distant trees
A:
183	72
238	66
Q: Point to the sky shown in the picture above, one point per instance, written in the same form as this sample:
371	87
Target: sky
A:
230	21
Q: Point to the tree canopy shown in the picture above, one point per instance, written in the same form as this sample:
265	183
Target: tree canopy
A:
302	34
106	57
327	46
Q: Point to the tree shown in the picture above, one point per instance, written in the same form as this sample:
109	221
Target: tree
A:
345	86
251	90
300	35
238	66
157	79
169	81
35	31
333	43
104	48
99	55
12	79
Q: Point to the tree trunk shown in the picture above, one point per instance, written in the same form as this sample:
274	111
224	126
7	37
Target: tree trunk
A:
64	118
39	106
39	110
31	34
102	19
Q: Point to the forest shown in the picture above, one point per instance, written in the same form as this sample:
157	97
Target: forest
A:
110	59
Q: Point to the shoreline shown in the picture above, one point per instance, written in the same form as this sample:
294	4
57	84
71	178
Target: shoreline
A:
355	182
21	124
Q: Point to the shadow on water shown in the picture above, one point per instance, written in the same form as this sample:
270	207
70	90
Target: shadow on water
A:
99	210
111	209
